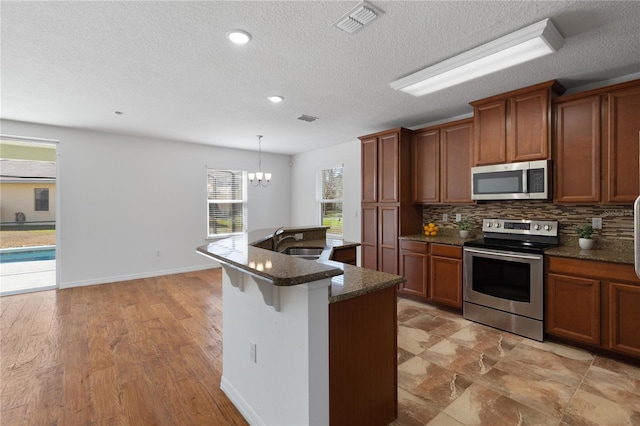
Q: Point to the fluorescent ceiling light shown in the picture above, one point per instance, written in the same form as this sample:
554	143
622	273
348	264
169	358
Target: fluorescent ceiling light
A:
534	41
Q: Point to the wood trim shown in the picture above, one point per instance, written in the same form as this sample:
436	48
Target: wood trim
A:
597	91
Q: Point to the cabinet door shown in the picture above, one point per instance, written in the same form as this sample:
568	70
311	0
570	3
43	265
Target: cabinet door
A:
369	247
388	168
573	308
445	281
456	163
622	154
426	167
414	266
388	239
490	133
577	157
624	318
369	158
528	132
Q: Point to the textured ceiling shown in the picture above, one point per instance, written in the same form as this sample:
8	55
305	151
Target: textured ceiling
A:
170	69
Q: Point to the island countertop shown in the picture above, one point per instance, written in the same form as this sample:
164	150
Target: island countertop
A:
347	281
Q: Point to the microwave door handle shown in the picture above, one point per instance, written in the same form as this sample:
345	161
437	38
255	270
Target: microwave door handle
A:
492	253
525	181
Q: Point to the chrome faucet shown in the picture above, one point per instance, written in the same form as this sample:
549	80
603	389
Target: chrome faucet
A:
275	241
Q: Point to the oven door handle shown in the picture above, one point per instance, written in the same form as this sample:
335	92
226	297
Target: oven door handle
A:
493	253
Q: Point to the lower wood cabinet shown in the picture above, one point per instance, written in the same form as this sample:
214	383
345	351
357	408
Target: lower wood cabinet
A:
344	255
445	277
433	272
414	267
594	303
573	308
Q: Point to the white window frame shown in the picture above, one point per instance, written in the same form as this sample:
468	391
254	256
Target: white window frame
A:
321	201
227	201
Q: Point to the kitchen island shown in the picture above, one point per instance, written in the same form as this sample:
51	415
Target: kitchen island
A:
304	341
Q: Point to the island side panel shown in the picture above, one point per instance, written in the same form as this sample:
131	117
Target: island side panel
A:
363	373
288	383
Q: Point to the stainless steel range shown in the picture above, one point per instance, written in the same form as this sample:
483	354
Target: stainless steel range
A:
504	275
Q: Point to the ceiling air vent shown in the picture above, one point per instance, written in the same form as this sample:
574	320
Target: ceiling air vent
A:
357	18
308	118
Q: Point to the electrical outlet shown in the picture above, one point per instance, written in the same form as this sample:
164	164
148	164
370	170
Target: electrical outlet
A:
157	252
298	236
596	223
445	217
252	351
458	217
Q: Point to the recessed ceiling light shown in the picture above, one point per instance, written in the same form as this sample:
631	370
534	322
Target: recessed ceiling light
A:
239	36
275	98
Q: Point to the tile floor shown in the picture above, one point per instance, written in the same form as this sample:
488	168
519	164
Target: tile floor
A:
455	372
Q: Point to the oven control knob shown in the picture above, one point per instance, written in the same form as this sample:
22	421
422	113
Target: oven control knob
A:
536	227
489	225
497	224
547	227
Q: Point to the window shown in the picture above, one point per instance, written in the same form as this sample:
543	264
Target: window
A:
226	202
331	200
42	199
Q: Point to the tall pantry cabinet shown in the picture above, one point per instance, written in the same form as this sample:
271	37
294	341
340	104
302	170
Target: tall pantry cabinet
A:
387	209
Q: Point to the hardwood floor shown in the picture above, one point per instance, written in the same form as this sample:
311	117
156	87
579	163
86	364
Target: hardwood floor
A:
139	352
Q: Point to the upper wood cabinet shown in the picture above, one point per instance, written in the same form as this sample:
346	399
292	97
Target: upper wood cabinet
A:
386	166
596	146
514	126
442	163
387	211
622	155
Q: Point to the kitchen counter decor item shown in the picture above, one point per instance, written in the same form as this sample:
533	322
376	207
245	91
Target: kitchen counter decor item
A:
465	226
585	232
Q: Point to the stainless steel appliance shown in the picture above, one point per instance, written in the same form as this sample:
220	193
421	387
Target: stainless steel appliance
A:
503	278
636	234
513	181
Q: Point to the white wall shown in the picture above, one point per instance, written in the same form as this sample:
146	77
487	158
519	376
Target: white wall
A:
124	197
304	207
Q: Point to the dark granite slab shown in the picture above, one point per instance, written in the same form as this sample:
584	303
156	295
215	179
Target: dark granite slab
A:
347	281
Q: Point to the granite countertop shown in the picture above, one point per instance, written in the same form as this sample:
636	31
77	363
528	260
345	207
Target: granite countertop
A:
452	240
604	255
347	281
616	253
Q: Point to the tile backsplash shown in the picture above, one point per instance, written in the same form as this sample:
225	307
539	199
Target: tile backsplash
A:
617	221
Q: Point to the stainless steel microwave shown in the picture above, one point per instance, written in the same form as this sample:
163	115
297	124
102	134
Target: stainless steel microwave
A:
514	181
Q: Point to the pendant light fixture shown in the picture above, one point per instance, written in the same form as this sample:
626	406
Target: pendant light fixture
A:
258	178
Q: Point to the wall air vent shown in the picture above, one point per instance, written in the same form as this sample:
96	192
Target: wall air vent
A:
357	18
308	118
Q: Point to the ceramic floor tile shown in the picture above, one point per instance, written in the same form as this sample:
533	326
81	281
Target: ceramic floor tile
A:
560	349
456	372
413	410
431	382
480	405
632	371
614	386
495	343
530	389
415	340
459	358
546	364
590	409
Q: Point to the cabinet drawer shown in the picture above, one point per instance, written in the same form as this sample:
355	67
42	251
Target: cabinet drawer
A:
446	251
414	246
593	269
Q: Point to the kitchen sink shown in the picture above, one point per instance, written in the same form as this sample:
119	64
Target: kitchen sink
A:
304	252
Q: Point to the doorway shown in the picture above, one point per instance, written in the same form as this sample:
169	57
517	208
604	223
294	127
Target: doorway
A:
29	231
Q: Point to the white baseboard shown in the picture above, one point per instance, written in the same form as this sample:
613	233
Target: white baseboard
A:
118	278
240	403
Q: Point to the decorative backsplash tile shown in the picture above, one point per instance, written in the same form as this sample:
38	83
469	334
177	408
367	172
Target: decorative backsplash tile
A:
617	221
